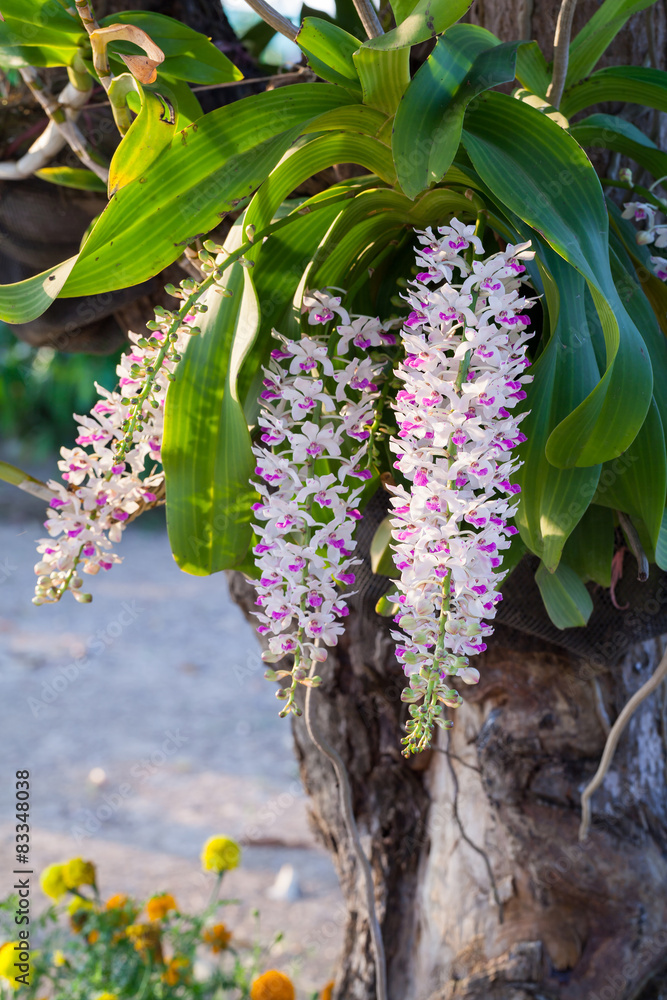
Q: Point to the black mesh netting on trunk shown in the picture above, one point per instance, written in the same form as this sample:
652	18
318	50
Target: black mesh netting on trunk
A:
606	638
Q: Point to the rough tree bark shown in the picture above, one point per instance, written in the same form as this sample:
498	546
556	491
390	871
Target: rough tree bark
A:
482	888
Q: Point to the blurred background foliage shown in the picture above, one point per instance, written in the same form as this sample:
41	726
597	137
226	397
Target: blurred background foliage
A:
41	388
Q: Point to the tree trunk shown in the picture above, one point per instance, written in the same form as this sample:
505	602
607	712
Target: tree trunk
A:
481	885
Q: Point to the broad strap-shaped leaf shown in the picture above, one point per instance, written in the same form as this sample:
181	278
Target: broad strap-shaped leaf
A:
151	131
427	130
554	500
567	602
636	482
208	169
402	9
593	40
384	76
537	171
532	69
631	84
329	50
189	55
26	300
427	19
206	451
590	548
72	177
612	132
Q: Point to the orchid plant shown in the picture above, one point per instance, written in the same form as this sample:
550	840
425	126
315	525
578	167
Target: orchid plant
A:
407	303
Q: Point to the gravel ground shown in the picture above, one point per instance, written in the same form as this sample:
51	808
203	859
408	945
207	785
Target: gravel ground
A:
157	689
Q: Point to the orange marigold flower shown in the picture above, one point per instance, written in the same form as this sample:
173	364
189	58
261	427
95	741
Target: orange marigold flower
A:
273	985
117	902
327	991
176	971
93	936
159	906
217	937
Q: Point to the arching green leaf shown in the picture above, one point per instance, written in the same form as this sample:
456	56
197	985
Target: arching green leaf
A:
426	19
590	548
427	131
329	50
611	132
567	602
598	33
384	76
630	84
151	131
206	450
535	169
554	500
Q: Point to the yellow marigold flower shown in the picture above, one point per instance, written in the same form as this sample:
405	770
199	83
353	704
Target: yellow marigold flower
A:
8	956
159	906
272	985
106	996
117	902
175	972
59	958
52	881
327	991
220	854
217	937
78	872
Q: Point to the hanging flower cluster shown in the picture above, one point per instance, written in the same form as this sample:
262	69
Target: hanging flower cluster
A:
464	372
317	422
642	212
115	470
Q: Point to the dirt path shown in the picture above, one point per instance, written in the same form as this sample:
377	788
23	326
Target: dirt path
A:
157	683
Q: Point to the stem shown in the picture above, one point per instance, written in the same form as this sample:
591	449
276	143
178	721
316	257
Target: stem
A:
272	17
561	51
353	833
216	891
85	11
612	741
369	19
57	114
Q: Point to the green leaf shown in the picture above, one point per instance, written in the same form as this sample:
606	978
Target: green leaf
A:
590	548
426	19
630	84
386	608
382	559
554	500
26	300
384	77
597	34
661	547
427	131
612	132
329	50
206	171
402	9
72	177
149	134
189	55
568	603
636	482
189	108
39	33
206	451
538	172
532	70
